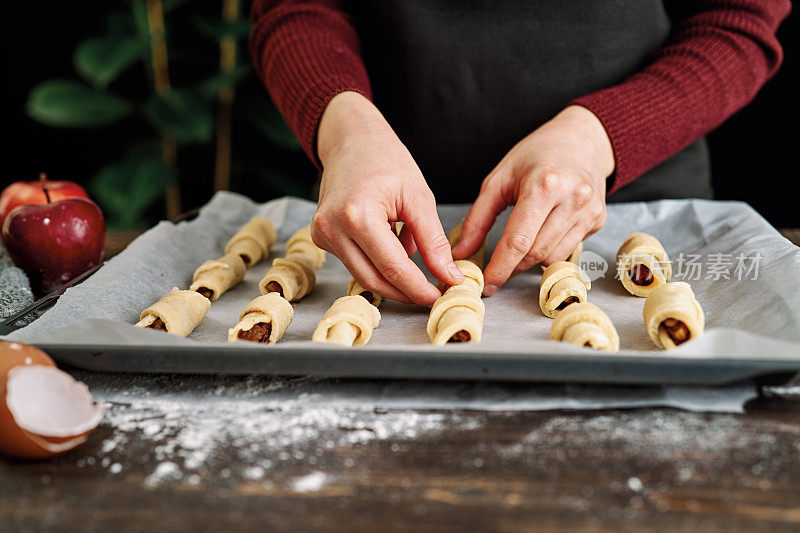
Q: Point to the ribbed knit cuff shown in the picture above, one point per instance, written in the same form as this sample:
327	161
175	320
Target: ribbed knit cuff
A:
304	65
639	117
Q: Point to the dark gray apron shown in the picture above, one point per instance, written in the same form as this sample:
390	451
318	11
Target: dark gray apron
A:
462	81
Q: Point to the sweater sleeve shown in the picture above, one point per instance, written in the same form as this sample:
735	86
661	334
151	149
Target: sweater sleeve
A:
306	52
714	64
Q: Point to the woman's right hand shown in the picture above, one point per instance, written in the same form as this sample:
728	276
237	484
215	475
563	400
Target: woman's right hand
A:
369	182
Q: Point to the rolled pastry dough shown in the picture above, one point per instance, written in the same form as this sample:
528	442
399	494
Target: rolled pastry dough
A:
177	312
478	257
643	256
301	244
575	256
253	241
585	324
354	288
348	322
563	283
264	320
218	275
293	276
672	315
457	316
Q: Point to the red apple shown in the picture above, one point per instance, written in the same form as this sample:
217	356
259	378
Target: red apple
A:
55	242
32	192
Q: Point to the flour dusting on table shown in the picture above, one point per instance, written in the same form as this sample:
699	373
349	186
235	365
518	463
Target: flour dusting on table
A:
235	431
183	429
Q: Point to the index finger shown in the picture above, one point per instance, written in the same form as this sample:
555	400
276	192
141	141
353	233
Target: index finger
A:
391	260
479	220
523	225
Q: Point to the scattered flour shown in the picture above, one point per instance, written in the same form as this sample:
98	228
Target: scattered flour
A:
236	428
166	471
254	472
242	434
312	482
635	484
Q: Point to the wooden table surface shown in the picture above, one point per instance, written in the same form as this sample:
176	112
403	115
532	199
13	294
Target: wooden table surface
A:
652	469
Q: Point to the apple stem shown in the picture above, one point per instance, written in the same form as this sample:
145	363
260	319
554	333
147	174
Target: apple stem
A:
43	181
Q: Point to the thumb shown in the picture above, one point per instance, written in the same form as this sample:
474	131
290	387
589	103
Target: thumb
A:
432	242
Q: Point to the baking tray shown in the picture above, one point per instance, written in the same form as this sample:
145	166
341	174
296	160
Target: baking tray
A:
433	365
753	329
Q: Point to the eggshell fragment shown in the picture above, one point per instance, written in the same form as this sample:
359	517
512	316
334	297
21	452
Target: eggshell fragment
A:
16	353
43	410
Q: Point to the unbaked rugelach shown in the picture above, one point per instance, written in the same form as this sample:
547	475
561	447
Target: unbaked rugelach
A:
293	275
215	277
348	322
563	283
642	264
672	315
585	324
265	320
177	312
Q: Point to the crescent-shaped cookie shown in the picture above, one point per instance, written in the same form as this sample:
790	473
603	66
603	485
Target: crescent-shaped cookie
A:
253	241
642	264
288	277
348	322
672	315
264	320
293	276
563	283
177	312
457	316
301	244
215	277
585	324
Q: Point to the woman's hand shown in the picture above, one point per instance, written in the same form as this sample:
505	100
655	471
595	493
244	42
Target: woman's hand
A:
369	182
556	180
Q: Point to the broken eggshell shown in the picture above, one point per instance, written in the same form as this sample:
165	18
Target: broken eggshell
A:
43	410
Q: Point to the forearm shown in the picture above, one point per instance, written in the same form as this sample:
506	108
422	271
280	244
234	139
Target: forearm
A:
714	65
349	119
305	52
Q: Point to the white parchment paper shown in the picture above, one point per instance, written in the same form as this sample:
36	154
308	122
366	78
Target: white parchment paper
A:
745	317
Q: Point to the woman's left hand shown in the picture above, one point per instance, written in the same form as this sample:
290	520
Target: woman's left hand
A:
556	180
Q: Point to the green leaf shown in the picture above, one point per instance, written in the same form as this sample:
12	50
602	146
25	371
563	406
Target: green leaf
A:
183	114
211	87
264	116
121	25
125	190
222	29
139	10
102	59
67	103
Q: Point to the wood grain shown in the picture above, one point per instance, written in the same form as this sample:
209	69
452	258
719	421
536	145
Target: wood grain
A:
609	470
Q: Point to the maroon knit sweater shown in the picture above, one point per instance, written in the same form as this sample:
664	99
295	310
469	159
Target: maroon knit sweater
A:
306	52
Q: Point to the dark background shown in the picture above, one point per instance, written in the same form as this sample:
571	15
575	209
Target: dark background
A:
753	154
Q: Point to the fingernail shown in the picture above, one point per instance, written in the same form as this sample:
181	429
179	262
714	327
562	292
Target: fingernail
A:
488	290
455	272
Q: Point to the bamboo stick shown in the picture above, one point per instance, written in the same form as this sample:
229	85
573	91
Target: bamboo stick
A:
227	63
160	67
